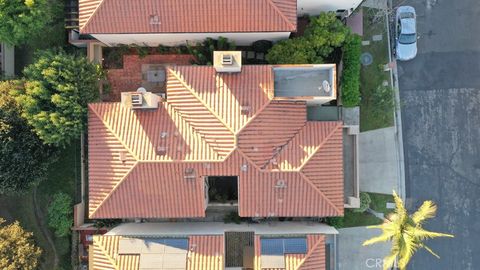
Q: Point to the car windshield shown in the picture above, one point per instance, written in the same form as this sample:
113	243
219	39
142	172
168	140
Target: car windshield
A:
407	38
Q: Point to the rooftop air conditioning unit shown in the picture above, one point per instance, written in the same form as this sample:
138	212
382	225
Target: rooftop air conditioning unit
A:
227	59
136	99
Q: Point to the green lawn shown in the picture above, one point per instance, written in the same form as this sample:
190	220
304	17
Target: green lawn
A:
353	219
372	76
379	202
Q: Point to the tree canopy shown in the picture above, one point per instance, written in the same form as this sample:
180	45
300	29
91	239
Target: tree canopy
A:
24	158
55	95
60	214
323	34
23	19
17	249
406	233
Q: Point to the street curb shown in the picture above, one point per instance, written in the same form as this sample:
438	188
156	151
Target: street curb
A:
398	113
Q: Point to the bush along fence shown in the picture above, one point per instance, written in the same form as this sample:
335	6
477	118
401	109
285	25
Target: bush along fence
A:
350	81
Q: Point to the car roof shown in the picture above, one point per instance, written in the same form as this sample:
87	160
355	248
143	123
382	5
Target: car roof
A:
408	26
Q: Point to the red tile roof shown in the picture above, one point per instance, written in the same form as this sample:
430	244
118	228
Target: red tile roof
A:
286	165
313	260
205	253
187	16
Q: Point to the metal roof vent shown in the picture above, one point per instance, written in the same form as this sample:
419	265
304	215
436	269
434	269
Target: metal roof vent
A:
227	59
122	156
154	19
244	167
161	150
136	99
189	173
281	184
245	109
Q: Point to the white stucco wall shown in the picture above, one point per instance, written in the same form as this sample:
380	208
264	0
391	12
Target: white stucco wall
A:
314	7
170	39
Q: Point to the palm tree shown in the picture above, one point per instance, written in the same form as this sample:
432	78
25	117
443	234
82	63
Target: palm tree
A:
405	232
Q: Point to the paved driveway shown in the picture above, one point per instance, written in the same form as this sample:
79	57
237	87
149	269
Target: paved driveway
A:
440	95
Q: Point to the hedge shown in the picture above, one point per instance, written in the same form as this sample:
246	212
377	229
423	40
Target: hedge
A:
350	81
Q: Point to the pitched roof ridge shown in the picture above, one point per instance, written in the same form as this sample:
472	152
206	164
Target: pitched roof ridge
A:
93	13
281	14
317	244
327	138
201	136
114	188
104	251
109	128
283	148
319	191
259	112
190	89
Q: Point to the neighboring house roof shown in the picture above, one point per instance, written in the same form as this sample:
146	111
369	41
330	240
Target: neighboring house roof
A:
187	16
213	124
205	252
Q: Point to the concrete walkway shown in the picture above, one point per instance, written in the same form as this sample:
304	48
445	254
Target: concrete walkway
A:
378	161
353	256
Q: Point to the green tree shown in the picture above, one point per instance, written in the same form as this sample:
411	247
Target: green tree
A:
323	35
17	249
23	19
60	214
406	233
55	96
24	159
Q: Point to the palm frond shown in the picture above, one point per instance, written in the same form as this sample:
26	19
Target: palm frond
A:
378	239
422	234
399	206
425	211
430	250
408	246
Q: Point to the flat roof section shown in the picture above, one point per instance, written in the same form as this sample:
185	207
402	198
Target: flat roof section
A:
305	81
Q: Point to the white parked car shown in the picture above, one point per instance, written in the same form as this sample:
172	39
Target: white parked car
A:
406	33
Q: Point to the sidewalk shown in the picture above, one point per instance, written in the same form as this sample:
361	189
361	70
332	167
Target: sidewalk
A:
378	161
353	256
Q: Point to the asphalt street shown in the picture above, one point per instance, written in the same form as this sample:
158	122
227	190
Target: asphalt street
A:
440	99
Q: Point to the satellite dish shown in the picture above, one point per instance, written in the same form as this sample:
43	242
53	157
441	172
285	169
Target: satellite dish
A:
141	90
326	86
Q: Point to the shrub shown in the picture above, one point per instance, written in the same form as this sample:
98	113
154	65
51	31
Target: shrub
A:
54	99
365	201
323	35
350	81
232	217
203	52
106	223
60	214
337	222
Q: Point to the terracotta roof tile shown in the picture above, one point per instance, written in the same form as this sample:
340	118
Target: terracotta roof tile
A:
313	260
197	130
205	253
271	130
187	16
